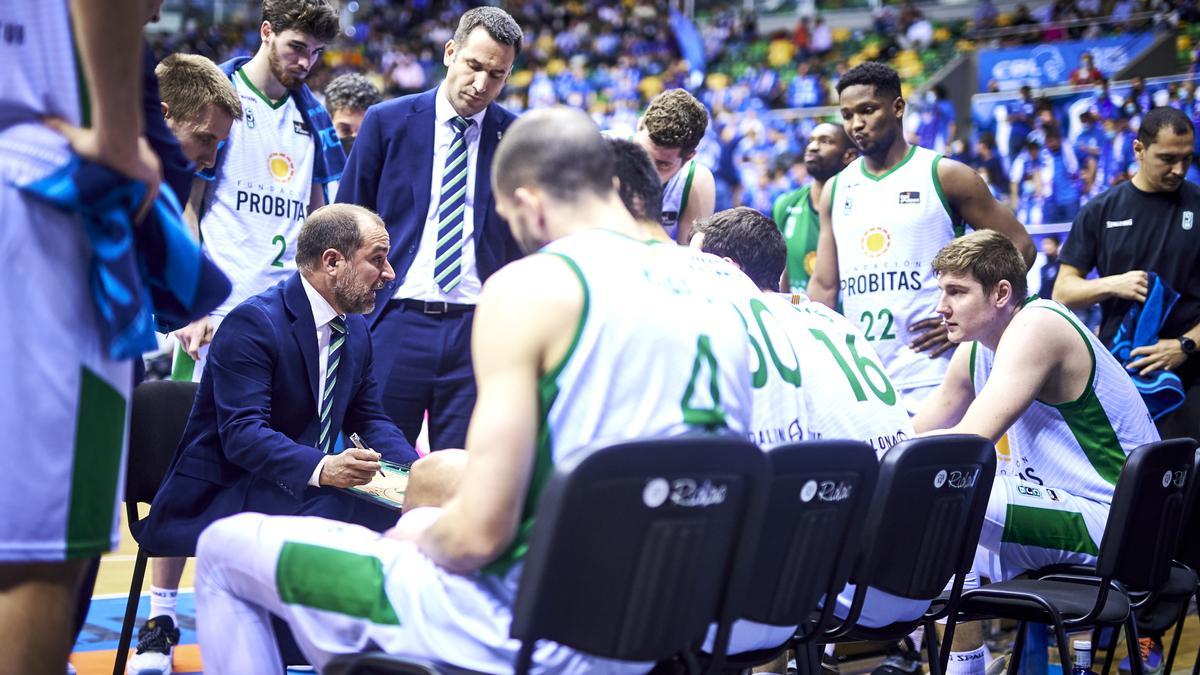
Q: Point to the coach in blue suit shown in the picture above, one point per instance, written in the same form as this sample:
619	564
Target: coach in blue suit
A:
288	372
423	162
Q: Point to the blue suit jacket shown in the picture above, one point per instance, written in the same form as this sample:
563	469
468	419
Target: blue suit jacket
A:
250	441
390	171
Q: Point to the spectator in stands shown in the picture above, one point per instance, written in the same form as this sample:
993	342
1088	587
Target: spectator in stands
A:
805	90
822	37
1021	115
1087	72
1049	271
1061	175
1123	162
1139	95
1025	26
1106	107
347	99
1094	151
987	160
985	15
1025	180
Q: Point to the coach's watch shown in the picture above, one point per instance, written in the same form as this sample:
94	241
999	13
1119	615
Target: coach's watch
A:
1187	344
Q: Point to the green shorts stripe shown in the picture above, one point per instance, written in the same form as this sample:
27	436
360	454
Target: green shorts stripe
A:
334	581
1047	528
99	441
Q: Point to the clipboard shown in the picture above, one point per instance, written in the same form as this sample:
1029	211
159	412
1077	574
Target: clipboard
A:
386	490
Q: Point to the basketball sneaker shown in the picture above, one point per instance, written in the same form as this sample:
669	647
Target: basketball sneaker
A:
1152	656
155	646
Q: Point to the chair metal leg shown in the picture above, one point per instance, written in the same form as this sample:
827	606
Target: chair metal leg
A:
931	646
525	657
1175	640
1135	652
131	607
1114	634
1014	664
1064	650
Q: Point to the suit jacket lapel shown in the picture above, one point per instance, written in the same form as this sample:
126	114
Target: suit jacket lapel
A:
304	329
489	138
418	145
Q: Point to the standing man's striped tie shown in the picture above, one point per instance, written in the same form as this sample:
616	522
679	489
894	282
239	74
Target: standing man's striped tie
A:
337	337
452	204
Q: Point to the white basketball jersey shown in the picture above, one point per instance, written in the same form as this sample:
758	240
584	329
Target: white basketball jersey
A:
40	77
675	196
655	354
259	199
1078	446
888	229
847	393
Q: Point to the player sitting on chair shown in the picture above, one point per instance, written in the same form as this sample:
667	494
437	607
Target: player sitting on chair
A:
1032	378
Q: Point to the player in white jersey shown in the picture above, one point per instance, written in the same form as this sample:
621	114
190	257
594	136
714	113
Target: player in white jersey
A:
671	128
1028	369
63	400
593	340
249	208
845	392
882	220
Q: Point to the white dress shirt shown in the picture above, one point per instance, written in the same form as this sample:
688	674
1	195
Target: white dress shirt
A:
322	313
418	283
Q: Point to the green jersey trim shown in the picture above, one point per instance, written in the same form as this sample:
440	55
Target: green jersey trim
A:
543	463
1047	528
273	105
85	94
99	442
974	350
315	576
1089	422
912	150
687	189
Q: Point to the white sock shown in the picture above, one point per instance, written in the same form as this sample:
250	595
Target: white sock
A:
162	602
918	638
969	663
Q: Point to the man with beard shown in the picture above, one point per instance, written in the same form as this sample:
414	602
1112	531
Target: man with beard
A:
829	150
883	219
273	169
289	372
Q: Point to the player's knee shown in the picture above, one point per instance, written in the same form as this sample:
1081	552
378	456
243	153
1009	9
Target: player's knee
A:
434	478
223	535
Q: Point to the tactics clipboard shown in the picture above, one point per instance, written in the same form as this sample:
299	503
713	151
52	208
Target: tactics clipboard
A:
386	490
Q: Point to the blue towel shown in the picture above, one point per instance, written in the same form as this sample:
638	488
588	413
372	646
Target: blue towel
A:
1162	390
137	275
329	159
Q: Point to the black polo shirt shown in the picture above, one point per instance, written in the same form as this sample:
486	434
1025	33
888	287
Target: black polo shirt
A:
1127	229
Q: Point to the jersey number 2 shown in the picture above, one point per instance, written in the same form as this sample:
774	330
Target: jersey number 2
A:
282	244
887	333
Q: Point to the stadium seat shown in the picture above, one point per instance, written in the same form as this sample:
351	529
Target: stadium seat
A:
921	533
1140	538
1187	559
637	549
157	418
812	529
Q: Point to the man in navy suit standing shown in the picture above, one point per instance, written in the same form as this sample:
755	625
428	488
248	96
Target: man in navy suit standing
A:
292	371
423	162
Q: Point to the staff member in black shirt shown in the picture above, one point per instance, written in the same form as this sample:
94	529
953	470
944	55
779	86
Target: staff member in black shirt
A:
1148	224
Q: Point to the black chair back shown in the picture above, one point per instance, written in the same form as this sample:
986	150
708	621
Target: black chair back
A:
812	527
636	546
924	524
1147	507
1189	532
157	419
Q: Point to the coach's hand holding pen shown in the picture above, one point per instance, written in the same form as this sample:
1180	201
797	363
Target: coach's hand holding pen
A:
358	443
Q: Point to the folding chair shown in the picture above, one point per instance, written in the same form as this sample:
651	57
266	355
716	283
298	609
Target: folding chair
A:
812	528
634	553
922	530
1140	538
1183	581
159	414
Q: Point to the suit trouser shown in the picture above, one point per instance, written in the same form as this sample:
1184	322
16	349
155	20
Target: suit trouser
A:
423	363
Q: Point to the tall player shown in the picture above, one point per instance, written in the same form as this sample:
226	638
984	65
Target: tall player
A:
672	126
883	219
829	150
266	178
1071	416
63	400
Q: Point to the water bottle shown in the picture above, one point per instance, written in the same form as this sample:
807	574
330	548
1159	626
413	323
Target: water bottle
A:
1083	658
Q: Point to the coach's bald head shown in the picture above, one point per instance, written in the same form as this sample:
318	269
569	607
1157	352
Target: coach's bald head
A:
552	166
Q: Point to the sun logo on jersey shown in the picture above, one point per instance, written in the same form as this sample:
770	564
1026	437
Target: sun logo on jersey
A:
281	167
876	241
810	262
